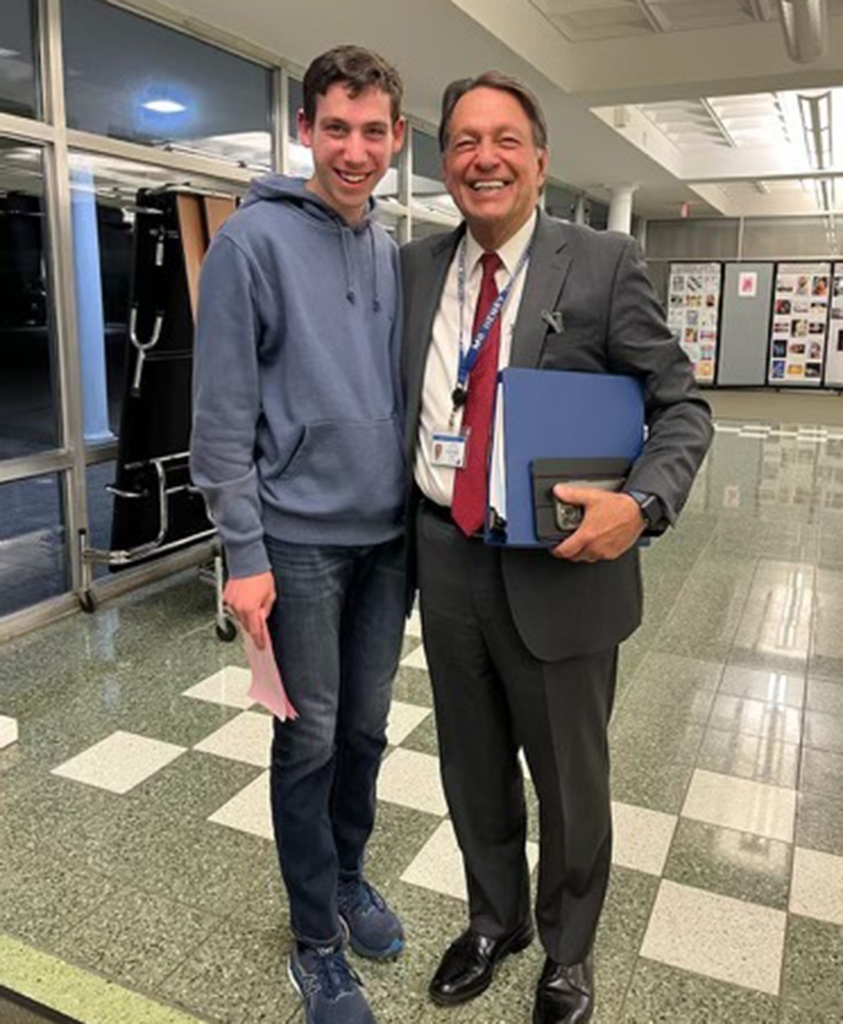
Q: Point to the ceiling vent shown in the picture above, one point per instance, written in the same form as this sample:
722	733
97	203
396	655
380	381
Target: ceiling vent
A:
805	25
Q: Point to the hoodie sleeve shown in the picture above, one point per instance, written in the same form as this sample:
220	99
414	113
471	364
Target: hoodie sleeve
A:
226	405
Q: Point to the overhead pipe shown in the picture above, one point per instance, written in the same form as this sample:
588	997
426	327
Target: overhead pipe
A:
805	24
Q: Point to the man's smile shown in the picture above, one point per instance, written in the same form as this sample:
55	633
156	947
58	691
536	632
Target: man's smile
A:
351	178
489	185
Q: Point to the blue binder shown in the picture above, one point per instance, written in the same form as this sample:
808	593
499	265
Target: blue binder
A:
554	414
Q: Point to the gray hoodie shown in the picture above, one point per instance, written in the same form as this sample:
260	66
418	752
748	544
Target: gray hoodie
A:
297	428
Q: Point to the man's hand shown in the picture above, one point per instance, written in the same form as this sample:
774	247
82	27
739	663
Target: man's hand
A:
251	599
612	523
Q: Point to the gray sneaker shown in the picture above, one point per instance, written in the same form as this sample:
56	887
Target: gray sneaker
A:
329	987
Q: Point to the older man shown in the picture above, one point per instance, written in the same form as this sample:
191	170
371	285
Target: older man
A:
522	644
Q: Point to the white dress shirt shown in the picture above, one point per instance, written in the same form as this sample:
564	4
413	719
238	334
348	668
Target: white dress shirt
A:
440	375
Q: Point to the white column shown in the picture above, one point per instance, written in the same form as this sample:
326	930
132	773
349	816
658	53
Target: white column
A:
641	233
620	208
579	210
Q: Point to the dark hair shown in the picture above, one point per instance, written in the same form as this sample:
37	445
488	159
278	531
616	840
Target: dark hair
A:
355	68
493	80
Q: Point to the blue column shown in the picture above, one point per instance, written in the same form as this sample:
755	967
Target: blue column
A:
89	312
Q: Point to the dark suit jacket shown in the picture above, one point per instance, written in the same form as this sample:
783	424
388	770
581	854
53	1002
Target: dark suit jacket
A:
612	323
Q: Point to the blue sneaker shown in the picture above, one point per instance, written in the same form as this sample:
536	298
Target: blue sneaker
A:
373	930
329	987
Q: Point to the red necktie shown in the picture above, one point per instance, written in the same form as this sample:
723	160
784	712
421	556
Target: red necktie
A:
468	508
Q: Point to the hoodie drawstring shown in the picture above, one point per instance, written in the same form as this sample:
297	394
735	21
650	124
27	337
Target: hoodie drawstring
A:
346	256
350	293
277	187
376	305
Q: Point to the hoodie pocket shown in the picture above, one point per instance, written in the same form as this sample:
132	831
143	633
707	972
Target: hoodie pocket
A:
346	470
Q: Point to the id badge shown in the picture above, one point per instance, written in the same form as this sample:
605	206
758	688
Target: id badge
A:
449	449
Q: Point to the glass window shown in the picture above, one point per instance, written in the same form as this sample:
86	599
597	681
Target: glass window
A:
18	78
300	157
105	196
295	101
100	507
560	201
428	188
33	550
131	78
597	215
28	406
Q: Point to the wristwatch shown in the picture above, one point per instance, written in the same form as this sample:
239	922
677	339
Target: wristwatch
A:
650	507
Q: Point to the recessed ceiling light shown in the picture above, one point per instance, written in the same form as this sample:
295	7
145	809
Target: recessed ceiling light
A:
165	106
8	53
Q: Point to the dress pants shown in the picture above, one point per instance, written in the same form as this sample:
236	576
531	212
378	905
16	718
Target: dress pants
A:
492	698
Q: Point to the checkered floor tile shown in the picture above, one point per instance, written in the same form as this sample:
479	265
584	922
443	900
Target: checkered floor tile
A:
142	783
119	762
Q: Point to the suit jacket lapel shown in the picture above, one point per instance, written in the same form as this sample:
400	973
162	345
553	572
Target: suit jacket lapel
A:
550	261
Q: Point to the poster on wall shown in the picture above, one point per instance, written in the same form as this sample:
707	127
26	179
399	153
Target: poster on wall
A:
800	316
834	345
748	284
693	309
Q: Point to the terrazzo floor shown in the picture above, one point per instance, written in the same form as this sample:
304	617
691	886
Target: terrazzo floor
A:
139	880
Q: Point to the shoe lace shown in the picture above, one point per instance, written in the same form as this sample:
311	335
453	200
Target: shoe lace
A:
362	898
332	975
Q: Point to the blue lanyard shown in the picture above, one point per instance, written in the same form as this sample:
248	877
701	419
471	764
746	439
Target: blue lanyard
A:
469	356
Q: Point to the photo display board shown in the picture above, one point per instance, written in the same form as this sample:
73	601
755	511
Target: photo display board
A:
800	315
834	347
693	309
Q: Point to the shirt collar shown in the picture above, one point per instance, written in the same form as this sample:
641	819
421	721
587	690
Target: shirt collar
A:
509	252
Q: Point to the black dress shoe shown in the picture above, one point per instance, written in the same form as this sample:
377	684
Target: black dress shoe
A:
468	966
565	993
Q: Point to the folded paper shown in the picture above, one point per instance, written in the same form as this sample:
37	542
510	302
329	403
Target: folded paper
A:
267	688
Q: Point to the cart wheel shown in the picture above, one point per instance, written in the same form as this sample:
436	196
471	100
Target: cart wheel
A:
88	601
226	632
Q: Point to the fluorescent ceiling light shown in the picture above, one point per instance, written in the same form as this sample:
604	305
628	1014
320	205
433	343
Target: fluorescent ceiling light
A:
164	106
8	53
815	111
824	193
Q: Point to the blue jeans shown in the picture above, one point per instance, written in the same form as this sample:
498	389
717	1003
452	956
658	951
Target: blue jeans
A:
336	630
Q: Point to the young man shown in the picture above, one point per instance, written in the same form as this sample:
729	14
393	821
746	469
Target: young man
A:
522	643
297	448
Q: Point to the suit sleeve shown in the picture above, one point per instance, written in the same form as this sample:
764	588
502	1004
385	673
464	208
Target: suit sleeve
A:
678	418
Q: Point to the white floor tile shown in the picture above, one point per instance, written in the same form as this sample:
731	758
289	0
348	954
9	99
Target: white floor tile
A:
249	810
413	627
717	936
741	804
641	838
8	731
415	659
245	738
438	865
229	686
412	780
119	762
403	718
817	887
